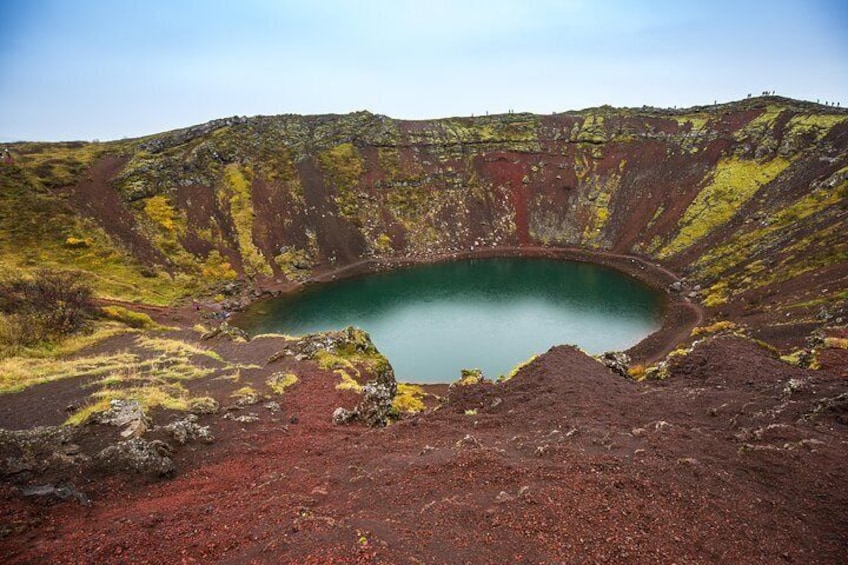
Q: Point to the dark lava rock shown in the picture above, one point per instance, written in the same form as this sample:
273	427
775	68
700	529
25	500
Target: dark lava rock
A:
187	429
151	458
58	492
38	450
226	330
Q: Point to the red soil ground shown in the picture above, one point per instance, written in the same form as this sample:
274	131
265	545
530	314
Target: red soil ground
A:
733	459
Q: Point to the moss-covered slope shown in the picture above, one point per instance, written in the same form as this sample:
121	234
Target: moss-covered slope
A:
747	199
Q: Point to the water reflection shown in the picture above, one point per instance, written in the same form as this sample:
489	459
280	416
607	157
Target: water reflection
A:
433	320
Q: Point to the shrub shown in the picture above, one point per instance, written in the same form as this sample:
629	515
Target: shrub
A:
44	306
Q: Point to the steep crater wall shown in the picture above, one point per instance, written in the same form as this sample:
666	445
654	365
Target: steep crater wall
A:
746	200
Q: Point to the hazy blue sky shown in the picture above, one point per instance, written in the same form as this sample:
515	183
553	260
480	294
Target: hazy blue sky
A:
85	69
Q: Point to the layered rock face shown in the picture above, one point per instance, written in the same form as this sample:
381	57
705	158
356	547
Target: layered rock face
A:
747	200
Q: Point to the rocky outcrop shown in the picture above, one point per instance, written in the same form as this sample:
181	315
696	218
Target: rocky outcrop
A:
150	458
38	450
351	354
127	414
616	361
188	430
60	492
349	341
375	407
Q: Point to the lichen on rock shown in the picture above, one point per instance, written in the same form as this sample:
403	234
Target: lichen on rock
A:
151	458
38	450
187	430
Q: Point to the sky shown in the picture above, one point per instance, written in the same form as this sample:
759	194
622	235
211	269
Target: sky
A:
109	69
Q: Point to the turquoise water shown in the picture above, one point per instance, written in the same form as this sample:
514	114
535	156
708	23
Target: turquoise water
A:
431	321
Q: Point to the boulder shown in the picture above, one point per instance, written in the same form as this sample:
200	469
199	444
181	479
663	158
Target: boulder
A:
226	330
187	429
150	458
38	450
57	492
617	361
122	413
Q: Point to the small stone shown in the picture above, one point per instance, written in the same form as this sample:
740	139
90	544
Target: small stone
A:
273	407
468	441
243	419
60	492
343	416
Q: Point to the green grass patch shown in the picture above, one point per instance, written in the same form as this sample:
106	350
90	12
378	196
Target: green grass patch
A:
19	373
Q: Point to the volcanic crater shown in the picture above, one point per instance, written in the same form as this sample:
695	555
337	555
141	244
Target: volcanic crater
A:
167	435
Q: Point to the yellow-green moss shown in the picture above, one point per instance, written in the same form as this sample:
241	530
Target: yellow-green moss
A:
734	182
60	164
347	382
409	398
836	342
819	124
717	294
279	382
695	121
159	210
244	392
383	244
469	377
203	405
592	130
341	366
131	318
389	160
721	326
344	168
327	360
38	230
743	245
761	124
295	263
515	370
235	191
657	213
217	268
802	358
598	198
19	373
